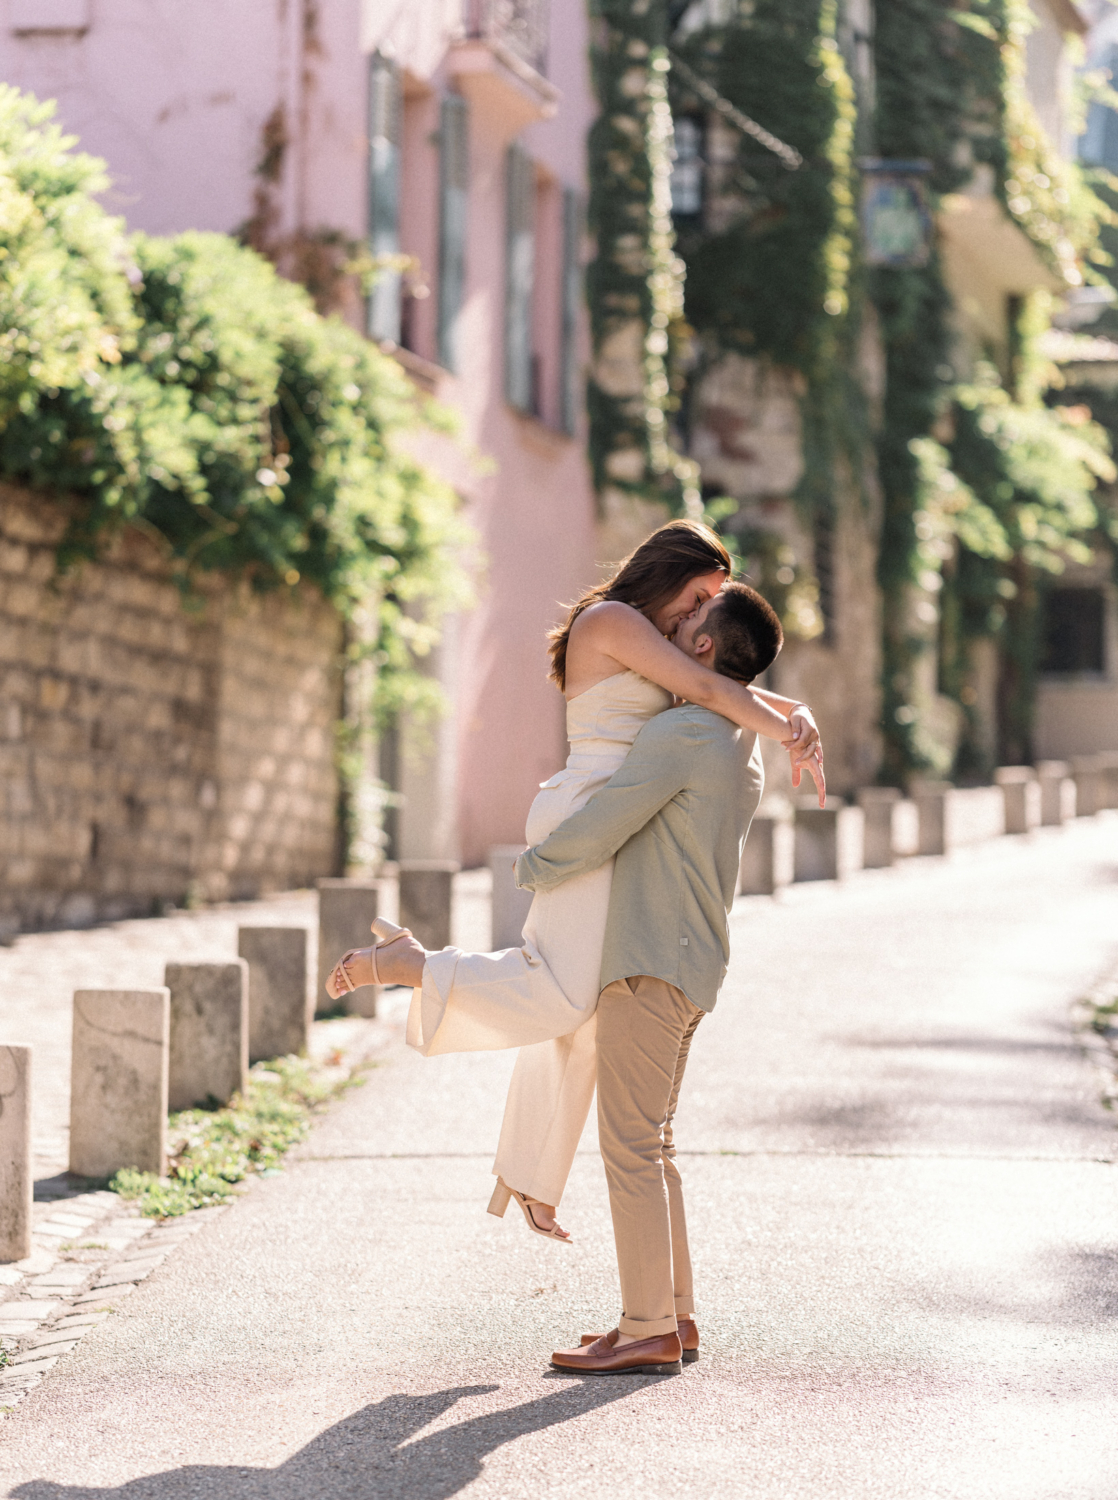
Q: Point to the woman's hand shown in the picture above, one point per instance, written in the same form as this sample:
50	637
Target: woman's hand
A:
806	735
814	768
805	749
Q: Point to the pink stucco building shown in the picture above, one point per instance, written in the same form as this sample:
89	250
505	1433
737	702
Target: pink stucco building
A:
450	131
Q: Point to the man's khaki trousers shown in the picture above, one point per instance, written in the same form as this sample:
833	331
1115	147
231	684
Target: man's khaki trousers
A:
644	1033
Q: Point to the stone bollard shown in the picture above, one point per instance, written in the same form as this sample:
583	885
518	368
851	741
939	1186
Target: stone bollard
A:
879	804
1111	773
1057	793
906	828
16	1181
1021	791
279	990
931	812
829	840
1106	769
951	817
118	1081
1094	777
767	860
209	1032
426	888
510	905
346	907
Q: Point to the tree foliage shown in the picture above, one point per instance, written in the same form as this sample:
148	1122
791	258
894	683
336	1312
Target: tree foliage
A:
181	386
634	282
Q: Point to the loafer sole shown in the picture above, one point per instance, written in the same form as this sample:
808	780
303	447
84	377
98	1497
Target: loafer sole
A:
674	1368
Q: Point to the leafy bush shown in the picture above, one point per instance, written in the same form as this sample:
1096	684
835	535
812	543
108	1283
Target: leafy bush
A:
183	387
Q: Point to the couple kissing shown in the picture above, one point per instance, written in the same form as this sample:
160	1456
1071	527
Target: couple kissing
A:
633	863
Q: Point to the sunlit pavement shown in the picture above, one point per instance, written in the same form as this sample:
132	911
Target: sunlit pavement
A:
902	1206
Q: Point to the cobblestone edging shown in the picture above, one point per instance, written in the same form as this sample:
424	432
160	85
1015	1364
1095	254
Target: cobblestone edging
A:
90	1251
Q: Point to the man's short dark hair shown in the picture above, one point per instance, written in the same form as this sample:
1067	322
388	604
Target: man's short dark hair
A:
745	630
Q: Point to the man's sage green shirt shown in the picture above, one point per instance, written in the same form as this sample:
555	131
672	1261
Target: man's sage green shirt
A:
676	814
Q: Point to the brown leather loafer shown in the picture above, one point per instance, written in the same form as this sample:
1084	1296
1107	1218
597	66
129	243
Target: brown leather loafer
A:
688	1337
661	1355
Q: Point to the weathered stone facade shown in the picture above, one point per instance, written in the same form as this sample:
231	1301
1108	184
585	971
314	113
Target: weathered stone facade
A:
746	435
152	752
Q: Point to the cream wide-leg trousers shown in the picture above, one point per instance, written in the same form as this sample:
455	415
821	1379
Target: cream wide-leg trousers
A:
540	997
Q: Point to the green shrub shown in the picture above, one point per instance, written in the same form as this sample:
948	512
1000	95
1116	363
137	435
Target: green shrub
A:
183	387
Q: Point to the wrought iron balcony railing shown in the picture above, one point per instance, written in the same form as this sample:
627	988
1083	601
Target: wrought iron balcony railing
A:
518	25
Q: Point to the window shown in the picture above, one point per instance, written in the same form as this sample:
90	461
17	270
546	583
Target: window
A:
1099	142
687	168
1074	631
383	314
454	172
571	293
520	269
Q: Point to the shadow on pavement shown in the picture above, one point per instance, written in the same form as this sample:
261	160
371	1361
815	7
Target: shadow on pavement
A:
368	1456
63	1185
1066	1288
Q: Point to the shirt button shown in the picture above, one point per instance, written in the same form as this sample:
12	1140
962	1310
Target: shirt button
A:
683	942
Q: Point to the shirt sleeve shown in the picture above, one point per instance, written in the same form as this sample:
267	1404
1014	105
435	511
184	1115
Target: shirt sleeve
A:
655	770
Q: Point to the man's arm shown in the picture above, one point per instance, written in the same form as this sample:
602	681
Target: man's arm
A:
656	768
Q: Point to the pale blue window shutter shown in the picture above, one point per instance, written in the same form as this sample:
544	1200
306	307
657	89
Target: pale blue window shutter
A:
520	255
454	174
569	391
384	194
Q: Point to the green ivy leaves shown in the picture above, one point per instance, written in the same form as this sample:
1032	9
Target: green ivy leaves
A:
182	386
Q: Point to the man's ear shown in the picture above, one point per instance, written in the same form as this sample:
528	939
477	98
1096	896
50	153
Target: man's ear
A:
703	647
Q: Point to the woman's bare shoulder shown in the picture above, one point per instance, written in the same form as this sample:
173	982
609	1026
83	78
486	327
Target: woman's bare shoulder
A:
598	622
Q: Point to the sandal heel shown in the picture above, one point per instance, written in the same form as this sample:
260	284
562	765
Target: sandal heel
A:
386	931
500	1200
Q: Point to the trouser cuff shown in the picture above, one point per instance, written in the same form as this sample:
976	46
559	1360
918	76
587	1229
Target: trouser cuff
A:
685	1307
649	1329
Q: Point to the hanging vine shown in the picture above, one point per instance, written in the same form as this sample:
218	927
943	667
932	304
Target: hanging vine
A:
771	271
634	283
939	90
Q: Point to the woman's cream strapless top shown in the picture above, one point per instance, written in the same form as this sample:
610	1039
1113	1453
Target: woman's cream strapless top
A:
602	724
604	721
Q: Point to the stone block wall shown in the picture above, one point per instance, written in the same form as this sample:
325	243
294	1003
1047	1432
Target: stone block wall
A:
151	751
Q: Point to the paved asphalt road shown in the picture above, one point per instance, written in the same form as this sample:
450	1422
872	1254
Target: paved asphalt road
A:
901	1191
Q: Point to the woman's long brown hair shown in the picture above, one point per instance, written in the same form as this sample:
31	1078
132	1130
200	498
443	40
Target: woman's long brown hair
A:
650	576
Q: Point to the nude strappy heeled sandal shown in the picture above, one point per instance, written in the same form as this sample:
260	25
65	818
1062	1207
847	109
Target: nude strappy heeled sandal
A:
386	932
500	1201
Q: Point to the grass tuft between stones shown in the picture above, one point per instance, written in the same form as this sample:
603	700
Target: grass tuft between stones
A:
211	1150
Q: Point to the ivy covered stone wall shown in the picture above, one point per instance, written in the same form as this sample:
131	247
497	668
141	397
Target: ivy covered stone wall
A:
937	491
